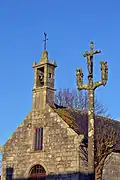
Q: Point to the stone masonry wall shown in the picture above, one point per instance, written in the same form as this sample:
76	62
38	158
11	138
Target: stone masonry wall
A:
111	168
60	152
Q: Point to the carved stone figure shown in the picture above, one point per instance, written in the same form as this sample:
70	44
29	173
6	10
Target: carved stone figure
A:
91	86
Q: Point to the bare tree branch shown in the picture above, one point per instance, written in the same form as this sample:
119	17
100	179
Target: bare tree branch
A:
107	136
78	99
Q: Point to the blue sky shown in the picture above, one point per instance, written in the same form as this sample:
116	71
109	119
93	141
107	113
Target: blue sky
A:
70	25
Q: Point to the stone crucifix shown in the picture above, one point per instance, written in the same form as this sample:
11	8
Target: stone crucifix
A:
45	40
90	87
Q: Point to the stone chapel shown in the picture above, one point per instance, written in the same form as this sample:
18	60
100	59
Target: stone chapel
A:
47	143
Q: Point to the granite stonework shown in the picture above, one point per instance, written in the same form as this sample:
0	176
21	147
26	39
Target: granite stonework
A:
63	133
60	156
111	169
60	153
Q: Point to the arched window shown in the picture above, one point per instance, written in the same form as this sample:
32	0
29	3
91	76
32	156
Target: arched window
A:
37	172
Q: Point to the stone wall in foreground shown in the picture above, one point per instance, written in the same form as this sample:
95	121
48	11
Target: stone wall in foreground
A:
111	168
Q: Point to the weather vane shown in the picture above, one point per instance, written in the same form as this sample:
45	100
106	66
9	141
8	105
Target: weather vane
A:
45	40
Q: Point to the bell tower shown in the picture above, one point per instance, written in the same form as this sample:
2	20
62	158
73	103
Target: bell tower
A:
43	90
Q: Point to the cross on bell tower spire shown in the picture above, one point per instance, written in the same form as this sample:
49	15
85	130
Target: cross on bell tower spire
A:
45	40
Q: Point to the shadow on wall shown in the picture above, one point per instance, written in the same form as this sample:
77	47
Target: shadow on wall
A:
63	176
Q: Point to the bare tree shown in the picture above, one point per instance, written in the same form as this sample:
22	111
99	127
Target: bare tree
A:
107	140
107	131
78	99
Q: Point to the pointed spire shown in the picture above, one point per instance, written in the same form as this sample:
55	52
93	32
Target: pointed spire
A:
34	64
54	63
44	57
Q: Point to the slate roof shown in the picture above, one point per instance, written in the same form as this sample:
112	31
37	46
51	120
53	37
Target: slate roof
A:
78	120
74	118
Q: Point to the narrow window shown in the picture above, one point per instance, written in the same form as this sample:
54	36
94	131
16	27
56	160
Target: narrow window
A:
38	138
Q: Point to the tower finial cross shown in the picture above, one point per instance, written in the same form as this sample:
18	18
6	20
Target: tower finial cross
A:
45	40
